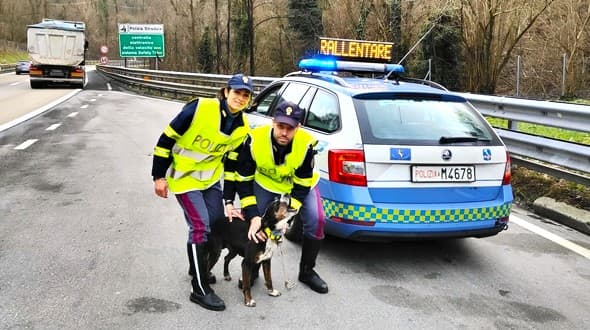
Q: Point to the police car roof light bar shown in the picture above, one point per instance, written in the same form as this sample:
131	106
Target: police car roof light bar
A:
328	64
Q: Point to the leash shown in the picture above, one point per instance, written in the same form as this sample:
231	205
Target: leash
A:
288	284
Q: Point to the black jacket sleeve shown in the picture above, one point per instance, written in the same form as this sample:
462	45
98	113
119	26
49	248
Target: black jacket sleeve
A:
245	181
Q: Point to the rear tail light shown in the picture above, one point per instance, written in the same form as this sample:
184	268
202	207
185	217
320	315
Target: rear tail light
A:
78	72
347	167
35	71
507	172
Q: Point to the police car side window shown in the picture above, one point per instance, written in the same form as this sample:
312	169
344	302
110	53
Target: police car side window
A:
294	92
324	112
264	102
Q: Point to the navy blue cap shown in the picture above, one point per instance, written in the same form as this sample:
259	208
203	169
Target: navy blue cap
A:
289	113
239	81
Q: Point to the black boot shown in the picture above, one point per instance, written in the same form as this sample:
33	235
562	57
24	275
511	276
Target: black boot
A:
202	293
191	266
309	252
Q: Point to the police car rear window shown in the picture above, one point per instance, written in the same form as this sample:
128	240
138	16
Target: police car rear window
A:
420	121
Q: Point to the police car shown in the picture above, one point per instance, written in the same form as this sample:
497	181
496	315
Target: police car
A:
398	157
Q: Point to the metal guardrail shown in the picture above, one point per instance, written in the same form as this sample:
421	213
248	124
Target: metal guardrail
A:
563	159
7	67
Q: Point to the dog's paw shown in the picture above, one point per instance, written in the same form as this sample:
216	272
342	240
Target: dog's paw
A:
273	293
250	303
227	277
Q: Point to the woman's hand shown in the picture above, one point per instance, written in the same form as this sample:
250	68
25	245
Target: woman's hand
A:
232	212
254	233
161	187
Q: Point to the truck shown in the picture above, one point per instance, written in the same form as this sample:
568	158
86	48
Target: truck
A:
57	50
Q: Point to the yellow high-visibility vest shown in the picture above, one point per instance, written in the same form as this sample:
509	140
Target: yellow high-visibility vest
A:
198	154
280	178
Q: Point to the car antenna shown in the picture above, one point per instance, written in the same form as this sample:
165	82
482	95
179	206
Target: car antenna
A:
412	49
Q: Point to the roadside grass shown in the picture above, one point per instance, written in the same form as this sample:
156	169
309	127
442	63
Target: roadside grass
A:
11	56
550	132
528	185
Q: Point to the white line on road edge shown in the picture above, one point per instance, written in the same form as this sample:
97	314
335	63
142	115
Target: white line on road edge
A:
73	114
36	112
53	127
84	106
25	144
550	236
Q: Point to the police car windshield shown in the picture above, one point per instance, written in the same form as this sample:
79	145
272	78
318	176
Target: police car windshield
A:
420	121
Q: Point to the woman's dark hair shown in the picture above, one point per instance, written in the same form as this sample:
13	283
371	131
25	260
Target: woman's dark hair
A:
221	93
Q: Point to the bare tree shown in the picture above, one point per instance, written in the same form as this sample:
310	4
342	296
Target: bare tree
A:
571	33
491	30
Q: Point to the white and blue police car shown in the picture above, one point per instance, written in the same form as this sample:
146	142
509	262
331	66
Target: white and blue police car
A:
398	157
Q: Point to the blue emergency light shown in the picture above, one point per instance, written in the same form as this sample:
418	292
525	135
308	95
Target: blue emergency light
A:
330	64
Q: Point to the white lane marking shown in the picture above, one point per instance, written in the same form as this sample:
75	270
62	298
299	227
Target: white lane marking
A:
36	112
550	236
73	114
109	87
92	100
53	127
84	106
14	83
25	144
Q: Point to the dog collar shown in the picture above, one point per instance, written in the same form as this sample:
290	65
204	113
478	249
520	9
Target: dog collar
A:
273	235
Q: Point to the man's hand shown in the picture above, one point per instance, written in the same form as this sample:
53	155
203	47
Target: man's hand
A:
161	187
254	233
232	212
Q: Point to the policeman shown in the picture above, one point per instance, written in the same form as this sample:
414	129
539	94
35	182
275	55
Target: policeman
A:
188	161
279	159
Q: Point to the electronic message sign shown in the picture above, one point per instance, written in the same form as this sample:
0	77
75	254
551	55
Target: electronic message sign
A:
356	50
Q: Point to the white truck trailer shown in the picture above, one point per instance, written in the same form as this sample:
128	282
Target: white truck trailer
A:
58	52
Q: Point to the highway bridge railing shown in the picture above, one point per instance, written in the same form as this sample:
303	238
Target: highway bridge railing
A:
559	158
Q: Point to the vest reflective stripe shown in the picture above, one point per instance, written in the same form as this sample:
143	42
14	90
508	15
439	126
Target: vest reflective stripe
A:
247	201
161	152
171	133
295	203
197	175
280	178
197	156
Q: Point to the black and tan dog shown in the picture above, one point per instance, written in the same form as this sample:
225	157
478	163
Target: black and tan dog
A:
234	236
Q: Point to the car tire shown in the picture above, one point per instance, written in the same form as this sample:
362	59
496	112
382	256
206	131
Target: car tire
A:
295	231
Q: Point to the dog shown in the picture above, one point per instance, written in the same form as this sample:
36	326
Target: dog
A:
234	236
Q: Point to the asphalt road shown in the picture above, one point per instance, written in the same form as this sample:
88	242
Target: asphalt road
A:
85	243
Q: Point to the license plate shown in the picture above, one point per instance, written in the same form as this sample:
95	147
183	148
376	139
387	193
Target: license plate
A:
56	73
443	173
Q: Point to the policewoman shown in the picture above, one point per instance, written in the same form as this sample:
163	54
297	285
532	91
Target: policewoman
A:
188	161
279	159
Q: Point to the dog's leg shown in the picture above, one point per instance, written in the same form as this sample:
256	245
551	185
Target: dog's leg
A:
228	257
267	254
246	272
268	279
